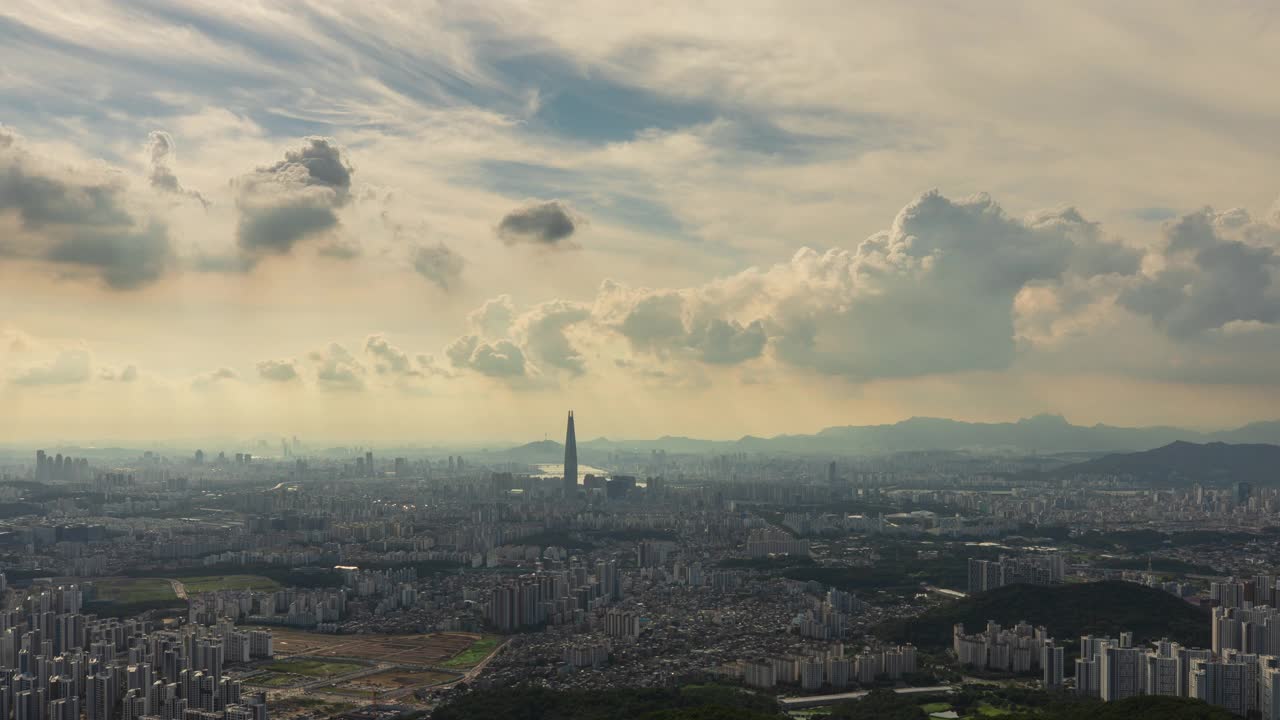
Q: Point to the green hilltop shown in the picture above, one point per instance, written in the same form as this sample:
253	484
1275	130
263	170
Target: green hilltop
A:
1067	611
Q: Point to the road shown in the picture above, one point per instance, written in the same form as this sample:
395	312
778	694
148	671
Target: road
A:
795	703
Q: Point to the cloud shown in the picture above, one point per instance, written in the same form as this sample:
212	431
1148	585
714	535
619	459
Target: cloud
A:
211	380
280	371
340	251
543	331
493	318
1155	214
1217	269
296	198
651	321
160	150
685	323
78	221
127	375
932	294
389	359
69	367
500	358
722	342
439	264
546	224
338	369
14	340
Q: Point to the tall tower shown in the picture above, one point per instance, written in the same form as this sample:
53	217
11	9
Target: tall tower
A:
570	460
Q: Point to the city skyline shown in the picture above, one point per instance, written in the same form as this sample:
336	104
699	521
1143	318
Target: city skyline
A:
337	229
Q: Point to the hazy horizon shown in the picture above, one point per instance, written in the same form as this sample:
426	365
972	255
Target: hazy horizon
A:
553	433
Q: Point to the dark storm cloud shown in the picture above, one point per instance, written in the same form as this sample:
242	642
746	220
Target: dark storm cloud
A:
293	199
549	224
77	221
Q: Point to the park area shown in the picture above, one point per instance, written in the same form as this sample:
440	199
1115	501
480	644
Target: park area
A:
134	590
210	583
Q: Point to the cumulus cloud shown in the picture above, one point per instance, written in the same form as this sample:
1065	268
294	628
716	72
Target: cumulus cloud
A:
1217	269
547	224
686	323
389	359
338	369
543	331
493	318
721	342
160	150
211	380
505	342
439	264
69	367
78	221
294	199
280	371
500	358
127	375
934	293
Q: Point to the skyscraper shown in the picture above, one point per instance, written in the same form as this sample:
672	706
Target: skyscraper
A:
570	460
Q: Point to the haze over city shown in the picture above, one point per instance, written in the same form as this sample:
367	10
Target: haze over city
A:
601	360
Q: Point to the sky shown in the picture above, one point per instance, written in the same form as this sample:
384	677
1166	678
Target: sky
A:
452	221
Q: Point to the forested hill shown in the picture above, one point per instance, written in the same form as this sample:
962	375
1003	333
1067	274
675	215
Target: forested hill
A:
1067	611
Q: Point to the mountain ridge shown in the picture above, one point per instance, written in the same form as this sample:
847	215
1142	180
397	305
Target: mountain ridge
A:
1038	434
1187	462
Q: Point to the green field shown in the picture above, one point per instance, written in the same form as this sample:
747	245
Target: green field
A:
937	707
314	668
478	651
134	590
209	583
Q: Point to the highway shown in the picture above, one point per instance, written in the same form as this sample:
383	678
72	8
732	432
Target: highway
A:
796	703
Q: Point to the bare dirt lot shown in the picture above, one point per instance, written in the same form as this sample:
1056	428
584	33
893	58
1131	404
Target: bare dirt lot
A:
432	649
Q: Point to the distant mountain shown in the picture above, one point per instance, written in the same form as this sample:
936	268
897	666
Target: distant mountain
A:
1067	611
1041	435
1186	462
542	451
